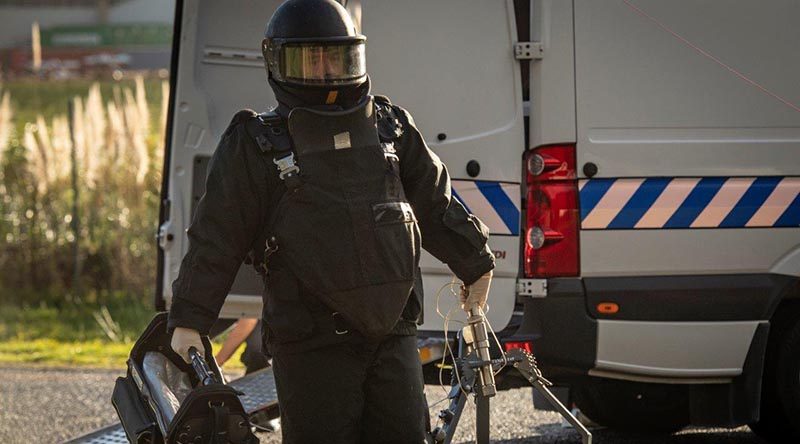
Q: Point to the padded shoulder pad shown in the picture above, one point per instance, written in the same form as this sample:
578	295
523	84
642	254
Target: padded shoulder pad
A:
269	131
242	116
382	100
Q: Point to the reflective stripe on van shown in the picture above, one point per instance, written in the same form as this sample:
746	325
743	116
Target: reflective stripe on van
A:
711	202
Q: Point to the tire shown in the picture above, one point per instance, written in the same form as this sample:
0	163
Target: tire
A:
780	390
639	408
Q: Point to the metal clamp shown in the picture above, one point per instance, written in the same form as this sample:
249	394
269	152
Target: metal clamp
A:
528	51
286	166
532	288
270	247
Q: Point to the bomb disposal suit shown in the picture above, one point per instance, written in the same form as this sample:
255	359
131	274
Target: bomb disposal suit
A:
331	196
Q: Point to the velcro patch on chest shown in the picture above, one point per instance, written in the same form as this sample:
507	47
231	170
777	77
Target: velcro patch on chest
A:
342	140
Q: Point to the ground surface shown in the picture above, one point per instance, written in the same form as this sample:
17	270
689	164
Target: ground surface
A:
49	406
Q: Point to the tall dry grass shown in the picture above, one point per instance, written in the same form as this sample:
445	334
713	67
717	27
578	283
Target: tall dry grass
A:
5	121
115	152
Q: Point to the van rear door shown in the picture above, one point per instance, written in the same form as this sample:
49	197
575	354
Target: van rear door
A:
218	70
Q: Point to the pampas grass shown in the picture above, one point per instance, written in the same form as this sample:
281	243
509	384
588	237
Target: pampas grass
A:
5	122
118	152
110	139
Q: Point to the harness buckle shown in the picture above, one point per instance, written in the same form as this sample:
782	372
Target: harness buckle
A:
286	165
389	152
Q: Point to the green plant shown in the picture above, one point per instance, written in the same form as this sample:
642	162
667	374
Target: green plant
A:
64	236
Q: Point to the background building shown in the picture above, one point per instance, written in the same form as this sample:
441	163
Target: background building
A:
80	35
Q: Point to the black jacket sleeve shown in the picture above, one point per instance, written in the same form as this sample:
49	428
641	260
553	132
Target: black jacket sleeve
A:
225	225
449	233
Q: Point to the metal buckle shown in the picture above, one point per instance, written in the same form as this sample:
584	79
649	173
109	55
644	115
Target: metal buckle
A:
335	328
389	152
271	246
286	166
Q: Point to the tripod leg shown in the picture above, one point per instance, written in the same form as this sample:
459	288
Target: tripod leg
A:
445	434
482	419
586	435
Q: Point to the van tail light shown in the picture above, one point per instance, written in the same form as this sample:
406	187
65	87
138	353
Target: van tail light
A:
552	216
524	345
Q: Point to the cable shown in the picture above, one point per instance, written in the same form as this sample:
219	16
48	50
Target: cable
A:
499	347
430	406
447	348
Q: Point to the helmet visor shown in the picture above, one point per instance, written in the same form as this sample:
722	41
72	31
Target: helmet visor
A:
323	64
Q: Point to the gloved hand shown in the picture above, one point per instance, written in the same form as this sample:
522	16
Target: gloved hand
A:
183	339
475	295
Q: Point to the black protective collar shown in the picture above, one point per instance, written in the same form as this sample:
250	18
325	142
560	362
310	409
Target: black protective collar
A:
290	97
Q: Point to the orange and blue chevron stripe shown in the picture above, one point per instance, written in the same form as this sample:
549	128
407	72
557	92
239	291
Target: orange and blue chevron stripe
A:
497	204
710	202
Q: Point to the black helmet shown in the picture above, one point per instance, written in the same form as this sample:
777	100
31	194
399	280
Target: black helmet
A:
314	43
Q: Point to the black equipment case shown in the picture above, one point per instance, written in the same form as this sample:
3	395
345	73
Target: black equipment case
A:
162	399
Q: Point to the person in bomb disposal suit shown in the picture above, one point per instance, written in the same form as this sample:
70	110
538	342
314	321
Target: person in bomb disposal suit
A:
331	195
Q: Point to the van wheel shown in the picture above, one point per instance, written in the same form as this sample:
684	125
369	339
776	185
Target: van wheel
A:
652	409
780	389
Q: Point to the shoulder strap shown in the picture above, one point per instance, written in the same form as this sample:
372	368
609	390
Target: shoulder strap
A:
269	131
272	136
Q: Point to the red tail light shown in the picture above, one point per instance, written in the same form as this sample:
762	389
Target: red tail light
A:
552	217
525	345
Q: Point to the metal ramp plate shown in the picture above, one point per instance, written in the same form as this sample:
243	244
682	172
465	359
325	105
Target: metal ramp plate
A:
259	390
112	434
259	394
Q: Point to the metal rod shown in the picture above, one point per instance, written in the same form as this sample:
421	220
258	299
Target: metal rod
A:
481	418
586	435
76	219
204	373
480	338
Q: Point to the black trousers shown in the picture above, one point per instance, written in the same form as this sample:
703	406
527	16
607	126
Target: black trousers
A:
255	356
359	391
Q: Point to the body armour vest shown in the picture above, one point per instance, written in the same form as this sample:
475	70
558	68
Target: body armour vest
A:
344	226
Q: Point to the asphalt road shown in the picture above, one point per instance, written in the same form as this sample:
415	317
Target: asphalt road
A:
50	406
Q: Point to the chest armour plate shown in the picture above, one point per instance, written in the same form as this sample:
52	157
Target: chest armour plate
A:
347	231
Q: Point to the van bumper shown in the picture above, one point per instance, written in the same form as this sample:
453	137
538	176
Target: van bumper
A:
572	343
672	320
563	334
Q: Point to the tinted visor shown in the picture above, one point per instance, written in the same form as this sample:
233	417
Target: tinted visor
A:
320	64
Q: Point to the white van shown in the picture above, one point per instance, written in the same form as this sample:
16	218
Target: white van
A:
637	162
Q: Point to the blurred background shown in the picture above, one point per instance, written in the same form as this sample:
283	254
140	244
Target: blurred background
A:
83	99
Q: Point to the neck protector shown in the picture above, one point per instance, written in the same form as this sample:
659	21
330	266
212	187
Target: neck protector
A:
327	98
